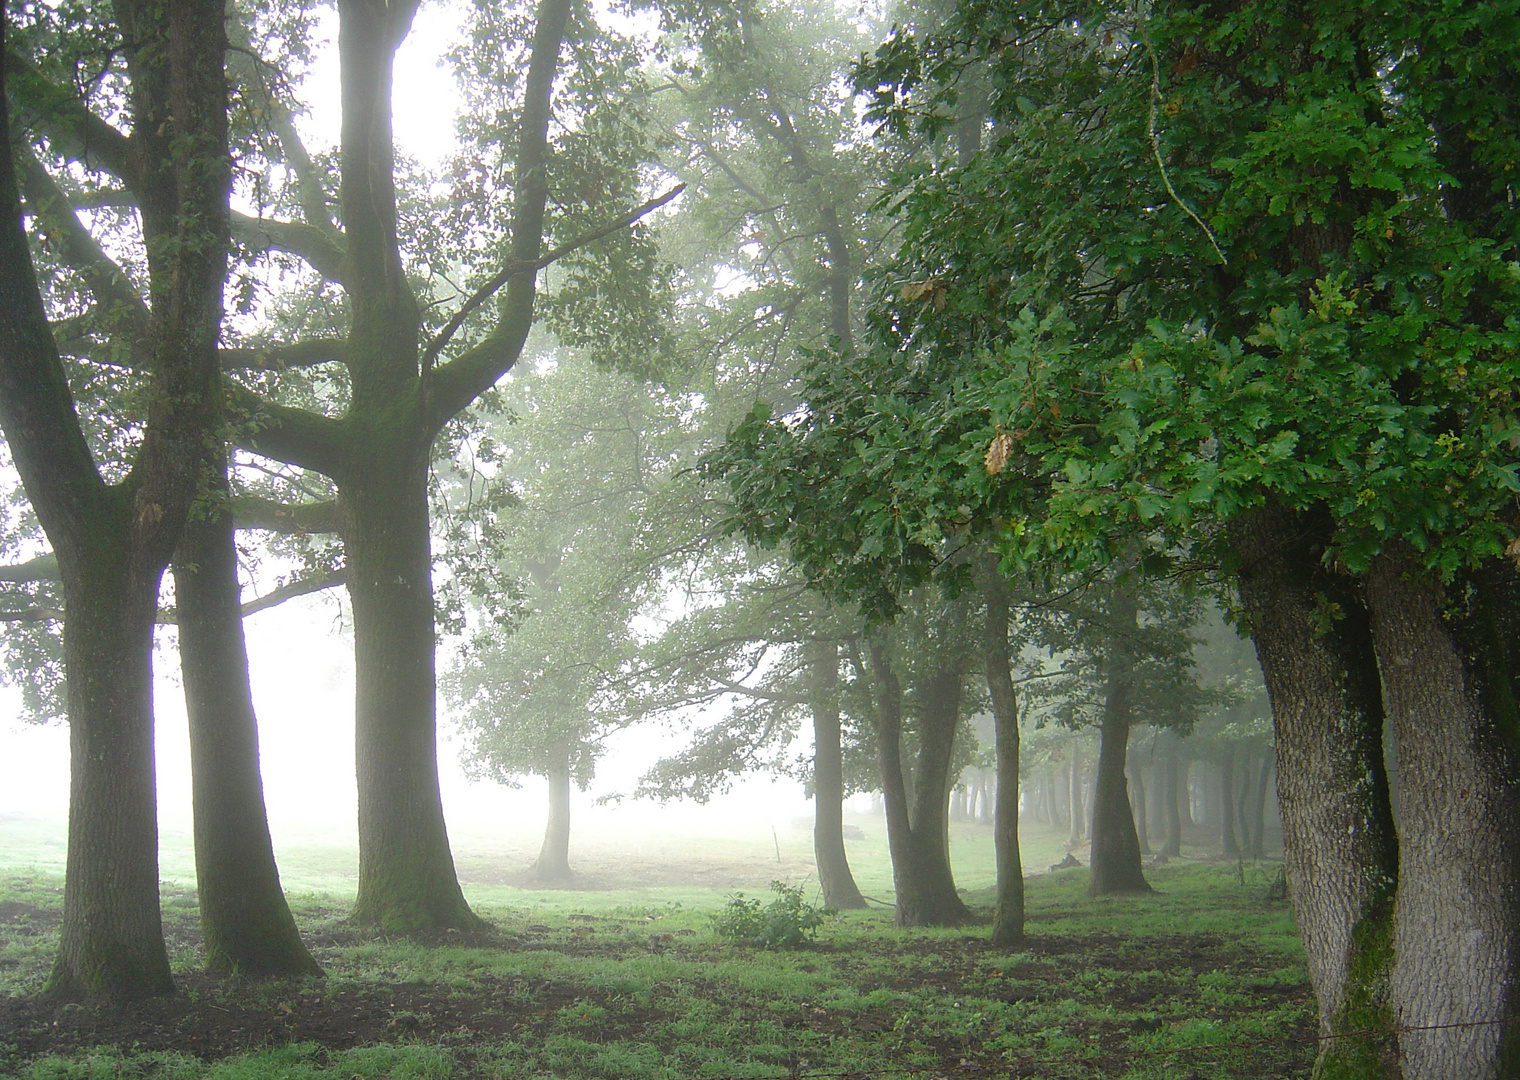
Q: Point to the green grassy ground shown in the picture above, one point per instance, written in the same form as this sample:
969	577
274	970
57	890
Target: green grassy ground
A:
626	978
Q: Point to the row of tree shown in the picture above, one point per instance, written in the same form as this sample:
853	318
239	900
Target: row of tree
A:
122	137
1229	289
1114	309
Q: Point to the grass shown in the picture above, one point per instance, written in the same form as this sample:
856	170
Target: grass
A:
1203	978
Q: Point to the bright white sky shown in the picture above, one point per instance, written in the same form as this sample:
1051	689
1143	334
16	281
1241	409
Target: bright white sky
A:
302	662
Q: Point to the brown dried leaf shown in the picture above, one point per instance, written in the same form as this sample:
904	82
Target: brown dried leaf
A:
998	452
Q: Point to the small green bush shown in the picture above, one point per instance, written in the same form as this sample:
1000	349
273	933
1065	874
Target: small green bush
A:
786	920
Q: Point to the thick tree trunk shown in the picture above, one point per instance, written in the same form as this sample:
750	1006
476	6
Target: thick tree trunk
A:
406	870
1449	686
1314	643
111	946
1115	860
1229	846
921	878
1008	920
834	877
378	454
246	924
553	862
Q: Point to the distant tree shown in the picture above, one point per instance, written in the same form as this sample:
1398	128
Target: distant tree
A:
749	111
588	453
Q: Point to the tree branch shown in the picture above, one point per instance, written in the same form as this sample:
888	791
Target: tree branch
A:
515	269
469	376
297	354
41	568
322	251
106	280
33	615
293	589
290	519
72	129
168	617
285	433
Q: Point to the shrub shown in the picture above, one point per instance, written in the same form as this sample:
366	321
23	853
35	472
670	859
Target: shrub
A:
786	920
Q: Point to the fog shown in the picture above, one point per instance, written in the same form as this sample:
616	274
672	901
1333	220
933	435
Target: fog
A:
301	665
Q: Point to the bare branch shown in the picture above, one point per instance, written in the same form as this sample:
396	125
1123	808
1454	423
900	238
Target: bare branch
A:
293	589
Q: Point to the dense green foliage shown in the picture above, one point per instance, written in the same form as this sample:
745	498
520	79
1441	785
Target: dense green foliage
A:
1206	260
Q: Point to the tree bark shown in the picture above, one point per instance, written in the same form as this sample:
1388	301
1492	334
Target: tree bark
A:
1008	919
553	862
839	889
1115	860
1313	640
246	925
407	880
1448	679
921	878
112	944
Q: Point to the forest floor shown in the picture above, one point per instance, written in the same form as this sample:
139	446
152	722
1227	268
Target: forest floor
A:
1201	979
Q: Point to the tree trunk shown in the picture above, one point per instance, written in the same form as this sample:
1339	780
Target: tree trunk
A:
246	924
1172	807
111	946
406	870
1229	846
1059	799
1312	637
1008	920
1259	826
553	862
1142	815
1243	804
834	877
1448	677
1115	859
1076	812
925	889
